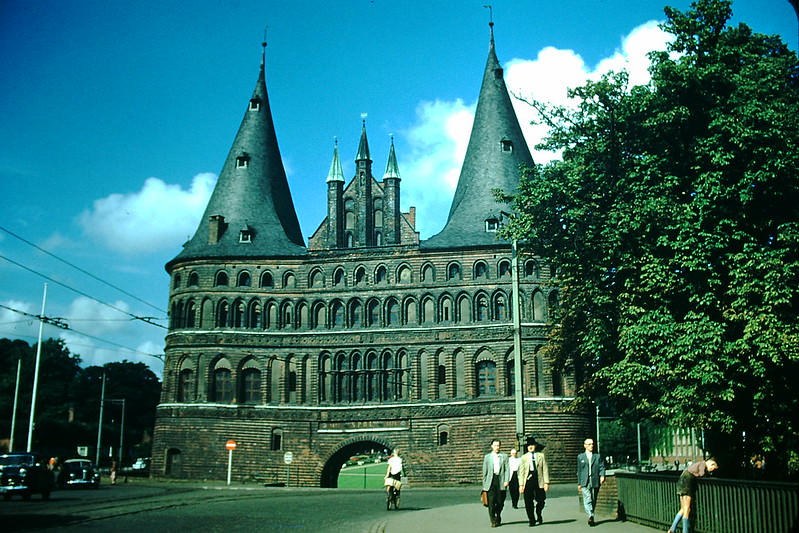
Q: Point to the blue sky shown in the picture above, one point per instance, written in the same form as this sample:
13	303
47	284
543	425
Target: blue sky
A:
116	118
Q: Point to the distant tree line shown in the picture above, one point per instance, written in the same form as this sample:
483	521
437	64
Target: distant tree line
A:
68	402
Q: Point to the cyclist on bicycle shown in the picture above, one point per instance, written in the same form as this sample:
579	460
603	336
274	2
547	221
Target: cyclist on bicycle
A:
393	480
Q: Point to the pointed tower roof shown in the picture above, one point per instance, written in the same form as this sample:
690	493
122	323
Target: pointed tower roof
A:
335	173
494	155
252	191
363	146
392	169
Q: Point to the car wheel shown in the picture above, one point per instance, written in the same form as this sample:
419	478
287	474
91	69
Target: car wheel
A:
6	496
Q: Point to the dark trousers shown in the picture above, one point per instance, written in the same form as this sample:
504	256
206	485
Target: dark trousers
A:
534	500
513	488
496	500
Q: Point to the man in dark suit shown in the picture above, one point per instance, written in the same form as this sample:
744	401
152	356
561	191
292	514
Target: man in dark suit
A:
590	475
534	481
496	476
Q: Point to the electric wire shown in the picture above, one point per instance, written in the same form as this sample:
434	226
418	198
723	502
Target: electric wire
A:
79	269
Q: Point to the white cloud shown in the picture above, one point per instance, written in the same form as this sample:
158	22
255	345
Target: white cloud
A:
160	216
438	139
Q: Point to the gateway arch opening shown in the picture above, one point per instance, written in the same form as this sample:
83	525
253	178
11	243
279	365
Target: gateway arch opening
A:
355	455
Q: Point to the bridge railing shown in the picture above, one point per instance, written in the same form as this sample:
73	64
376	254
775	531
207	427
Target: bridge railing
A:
720	506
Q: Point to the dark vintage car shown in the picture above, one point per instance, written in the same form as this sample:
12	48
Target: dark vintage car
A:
78	473
25	474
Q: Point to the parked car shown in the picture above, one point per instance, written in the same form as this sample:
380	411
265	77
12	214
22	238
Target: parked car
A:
142	463
78	473
25	474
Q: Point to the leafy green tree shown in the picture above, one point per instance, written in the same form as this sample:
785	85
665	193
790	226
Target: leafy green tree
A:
673	223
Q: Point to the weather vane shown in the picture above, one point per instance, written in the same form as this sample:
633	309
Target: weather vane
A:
490	14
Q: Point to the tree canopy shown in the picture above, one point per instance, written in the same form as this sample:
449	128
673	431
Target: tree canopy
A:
672	223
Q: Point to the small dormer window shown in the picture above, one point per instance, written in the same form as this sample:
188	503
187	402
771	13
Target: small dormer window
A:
498	73
506	145
492	224
243	161
245	234
255	104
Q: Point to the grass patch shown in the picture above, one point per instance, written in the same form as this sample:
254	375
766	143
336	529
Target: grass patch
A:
369	476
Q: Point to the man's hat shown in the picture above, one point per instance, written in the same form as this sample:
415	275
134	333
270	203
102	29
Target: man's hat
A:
532	442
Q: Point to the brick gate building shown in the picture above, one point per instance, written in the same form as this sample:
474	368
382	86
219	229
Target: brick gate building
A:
366	338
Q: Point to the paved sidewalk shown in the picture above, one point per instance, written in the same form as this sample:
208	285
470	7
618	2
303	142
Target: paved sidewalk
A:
562	514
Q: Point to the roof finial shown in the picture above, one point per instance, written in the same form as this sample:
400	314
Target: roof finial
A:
363	118
263	45
490	20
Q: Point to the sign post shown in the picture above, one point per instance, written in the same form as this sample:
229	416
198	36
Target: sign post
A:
230	445
287	458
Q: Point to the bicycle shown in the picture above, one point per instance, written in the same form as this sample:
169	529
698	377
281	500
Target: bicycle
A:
392	497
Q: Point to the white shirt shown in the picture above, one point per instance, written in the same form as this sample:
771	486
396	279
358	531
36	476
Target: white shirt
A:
496	462
395	463
513	463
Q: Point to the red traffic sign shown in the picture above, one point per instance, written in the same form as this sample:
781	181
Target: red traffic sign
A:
230	445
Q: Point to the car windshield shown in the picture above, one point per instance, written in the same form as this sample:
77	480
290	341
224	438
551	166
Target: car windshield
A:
14	460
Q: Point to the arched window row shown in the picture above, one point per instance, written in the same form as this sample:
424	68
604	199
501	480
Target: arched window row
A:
357	313
363	376
379	274
271	380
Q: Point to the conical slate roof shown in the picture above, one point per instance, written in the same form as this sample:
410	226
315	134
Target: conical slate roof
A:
494	155
251	212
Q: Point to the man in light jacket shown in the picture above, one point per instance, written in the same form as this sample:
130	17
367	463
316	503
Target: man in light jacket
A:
590	475
496	476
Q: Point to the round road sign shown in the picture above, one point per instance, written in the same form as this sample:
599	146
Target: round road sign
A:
287	457
230	445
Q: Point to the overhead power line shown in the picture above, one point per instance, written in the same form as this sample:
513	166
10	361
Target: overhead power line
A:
79	269
147	319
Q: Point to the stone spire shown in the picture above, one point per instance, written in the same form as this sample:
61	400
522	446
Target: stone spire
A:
335	173
251	212
494	155
392	169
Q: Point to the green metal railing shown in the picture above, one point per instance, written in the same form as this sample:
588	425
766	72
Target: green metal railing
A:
720	506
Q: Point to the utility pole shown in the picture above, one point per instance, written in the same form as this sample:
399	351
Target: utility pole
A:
517	346
36	372
100	423
14	414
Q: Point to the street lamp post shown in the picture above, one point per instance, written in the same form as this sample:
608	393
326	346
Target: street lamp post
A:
14	414
36	372
100	423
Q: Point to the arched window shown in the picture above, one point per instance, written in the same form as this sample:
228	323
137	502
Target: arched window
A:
250	383
539	307
289	280
223	314
486	378
277	439
267	280
221	279
410	311
254	318
222	391
428	310
355	314
336	314
239	313
427	274
480	270
446	309
372	313
454	271
532	269
316	280
392	313
443	435
186	385
338	277
360	275
380	274
504	269
176	281
500	308
404	274
194	279
481	308
191	314
244	279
